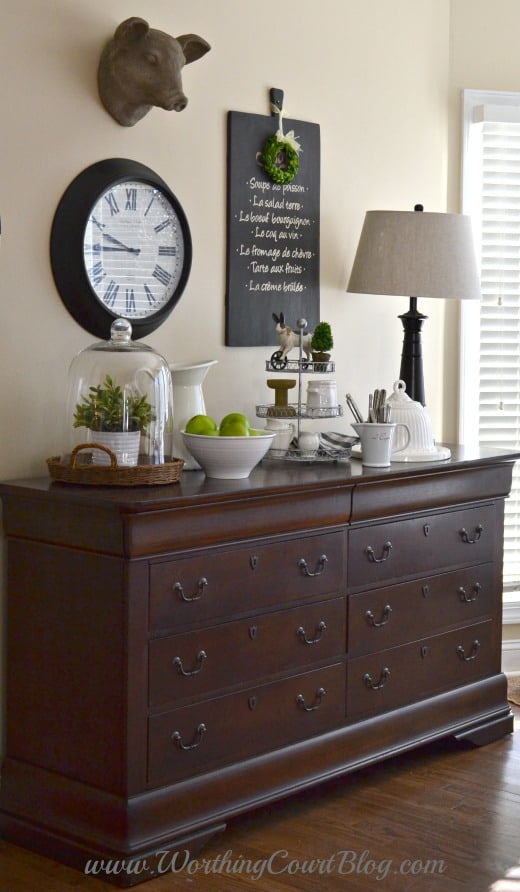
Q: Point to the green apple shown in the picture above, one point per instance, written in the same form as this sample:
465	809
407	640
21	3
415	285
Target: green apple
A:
234	429
234	418
202	424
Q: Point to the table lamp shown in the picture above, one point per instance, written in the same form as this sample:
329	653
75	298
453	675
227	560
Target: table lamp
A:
420	254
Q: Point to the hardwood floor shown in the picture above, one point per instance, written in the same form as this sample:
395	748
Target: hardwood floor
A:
444	818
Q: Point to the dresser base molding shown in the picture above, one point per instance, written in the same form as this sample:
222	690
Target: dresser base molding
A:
79	824
120	868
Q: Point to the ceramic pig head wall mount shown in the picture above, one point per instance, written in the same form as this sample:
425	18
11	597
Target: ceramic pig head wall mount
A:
141	67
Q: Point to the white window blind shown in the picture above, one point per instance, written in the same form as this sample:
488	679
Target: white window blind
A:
491	353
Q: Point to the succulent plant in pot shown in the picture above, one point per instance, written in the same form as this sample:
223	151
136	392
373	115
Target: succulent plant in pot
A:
322	342
116	416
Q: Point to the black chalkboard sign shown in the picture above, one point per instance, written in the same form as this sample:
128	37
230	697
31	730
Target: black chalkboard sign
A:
273	233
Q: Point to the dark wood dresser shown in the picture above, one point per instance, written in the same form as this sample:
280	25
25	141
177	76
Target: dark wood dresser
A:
178	655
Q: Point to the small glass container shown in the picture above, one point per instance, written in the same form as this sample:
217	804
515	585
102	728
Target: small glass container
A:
322	394
120	398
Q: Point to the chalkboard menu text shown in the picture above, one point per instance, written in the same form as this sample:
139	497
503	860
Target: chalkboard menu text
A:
273	233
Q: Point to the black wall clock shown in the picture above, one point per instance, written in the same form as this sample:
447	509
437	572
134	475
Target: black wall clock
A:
120	247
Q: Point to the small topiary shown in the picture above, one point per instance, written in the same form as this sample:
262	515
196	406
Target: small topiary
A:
322	340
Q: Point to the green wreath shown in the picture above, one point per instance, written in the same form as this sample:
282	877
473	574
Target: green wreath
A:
280	160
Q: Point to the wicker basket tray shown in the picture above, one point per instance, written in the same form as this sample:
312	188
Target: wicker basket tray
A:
80	469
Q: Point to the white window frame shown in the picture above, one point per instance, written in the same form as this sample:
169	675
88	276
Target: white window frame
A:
478	105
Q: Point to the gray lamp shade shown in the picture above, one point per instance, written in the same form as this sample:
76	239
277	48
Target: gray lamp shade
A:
417	254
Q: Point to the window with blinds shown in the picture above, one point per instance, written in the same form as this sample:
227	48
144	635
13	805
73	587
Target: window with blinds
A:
490	402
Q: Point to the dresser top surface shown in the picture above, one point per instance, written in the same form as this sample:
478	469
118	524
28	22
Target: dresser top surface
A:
269	476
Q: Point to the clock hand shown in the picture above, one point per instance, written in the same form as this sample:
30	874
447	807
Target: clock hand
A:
97	248
116	241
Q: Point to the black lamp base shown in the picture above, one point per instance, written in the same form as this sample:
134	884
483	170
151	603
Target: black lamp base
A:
411	358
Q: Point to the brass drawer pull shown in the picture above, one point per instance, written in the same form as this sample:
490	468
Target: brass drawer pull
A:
371	620
197	740
302	634
474	651
300	700
376	686
199	591
468	598
320	566
370	553
465	536
201	657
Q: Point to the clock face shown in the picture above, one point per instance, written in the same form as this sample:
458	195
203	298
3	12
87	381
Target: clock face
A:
120	247
133	249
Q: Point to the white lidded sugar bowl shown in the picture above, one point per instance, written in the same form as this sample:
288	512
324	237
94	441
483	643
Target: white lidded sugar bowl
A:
422	446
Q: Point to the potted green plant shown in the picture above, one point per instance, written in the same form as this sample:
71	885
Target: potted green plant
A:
117	417
322	343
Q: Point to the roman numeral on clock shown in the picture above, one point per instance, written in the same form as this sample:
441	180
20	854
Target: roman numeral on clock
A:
167	250
99	225
162	275
109	297
96	274
131	200
149	294
149	205
130	300
112	203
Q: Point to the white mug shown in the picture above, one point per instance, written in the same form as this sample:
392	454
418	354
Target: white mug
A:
284	433
377	442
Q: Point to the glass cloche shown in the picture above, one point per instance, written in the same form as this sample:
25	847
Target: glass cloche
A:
120	397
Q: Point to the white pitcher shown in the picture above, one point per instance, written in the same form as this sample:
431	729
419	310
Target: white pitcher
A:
188	400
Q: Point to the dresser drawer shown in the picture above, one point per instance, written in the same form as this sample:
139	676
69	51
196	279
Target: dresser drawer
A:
381	552
199	662
385	617
223	730
218	582
402	675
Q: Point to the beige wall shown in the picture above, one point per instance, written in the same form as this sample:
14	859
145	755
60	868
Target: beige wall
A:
374	74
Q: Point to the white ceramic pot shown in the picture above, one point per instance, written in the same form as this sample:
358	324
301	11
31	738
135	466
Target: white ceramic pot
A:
124	445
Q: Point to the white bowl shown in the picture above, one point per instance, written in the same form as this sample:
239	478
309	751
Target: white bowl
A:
231	458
